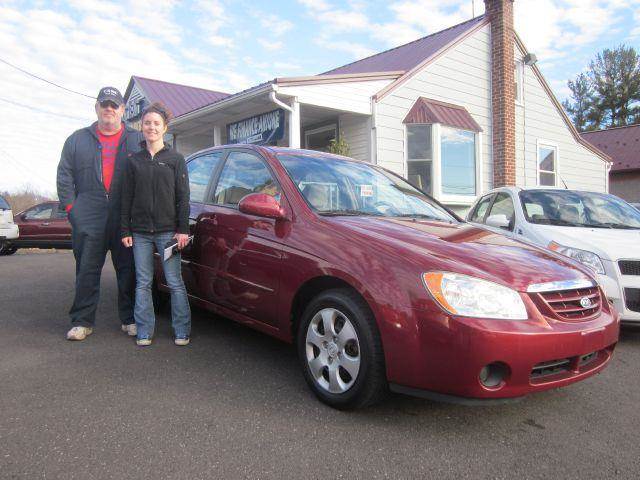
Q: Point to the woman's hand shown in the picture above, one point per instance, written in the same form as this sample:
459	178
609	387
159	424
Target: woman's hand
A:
182	239
127	241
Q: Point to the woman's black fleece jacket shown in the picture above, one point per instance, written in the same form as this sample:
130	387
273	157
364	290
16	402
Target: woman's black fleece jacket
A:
155	193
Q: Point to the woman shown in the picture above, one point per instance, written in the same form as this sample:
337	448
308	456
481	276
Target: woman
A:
155	212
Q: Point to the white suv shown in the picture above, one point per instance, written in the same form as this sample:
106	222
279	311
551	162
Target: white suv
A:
8	229
596	229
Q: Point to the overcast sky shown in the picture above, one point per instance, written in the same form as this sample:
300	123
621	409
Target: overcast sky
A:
231	45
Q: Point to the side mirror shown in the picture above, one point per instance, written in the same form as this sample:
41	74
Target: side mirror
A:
498	221
262	205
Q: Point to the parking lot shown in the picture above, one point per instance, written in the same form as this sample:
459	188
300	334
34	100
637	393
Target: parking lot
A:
234	405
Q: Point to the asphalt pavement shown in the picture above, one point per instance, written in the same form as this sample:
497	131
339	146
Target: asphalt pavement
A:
234	405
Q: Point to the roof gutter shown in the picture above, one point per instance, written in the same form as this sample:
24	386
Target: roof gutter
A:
225	102
277	101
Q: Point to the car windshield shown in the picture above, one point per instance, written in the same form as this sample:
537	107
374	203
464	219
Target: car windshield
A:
578	209
334	186
4	205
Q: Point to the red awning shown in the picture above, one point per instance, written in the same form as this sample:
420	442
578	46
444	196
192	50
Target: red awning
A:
426	110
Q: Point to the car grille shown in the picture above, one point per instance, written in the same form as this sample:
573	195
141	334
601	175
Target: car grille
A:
571	304
629	267
562	365
632	299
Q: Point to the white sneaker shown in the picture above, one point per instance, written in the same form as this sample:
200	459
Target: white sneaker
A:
130	329
143	342
79	333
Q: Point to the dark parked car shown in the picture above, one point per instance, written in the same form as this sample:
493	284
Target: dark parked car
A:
43	226
380	286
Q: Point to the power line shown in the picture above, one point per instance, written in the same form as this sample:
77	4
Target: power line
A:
22	167
40	110
45	80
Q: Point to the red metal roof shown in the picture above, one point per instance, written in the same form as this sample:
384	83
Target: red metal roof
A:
407	56
180	99
622	144
426	110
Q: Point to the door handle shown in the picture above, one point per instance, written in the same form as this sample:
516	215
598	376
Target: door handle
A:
45	224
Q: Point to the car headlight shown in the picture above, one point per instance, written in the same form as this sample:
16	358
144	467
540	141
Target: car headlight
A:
472	297
585	257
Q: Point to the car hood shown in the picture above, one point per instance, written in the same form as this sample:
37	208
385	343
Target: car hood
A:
463	248
607	243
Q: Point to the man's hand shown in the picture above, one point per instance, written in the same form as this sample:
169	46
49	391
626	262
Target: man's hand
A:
127	241
182	239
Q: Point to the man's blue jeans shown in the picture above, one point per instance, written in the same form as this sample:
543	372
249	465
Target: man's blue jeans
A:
143	248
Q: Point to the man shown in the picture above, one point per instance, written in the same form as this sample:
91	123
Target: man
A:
89	183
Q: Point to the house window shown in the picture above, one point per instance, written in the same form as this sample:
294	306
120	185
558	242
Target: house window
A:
457	161
320	138
518	75
420	156
547	164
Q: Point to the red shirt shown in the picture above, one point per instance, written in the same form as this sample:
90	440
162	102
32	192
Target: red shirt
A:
109	150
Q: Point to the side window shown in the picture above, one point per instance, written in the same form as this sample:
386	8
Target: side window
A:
244	173
200	170
503	205
478	214
59	214
39	212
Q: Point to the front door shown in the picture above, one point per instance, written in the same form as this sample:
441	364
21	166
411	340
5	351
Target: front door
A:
201	171
34	224
244	251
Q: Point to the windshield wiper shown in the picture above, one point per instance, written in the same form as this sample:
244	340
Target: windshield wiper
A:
620	226
335	213
557	222
424	216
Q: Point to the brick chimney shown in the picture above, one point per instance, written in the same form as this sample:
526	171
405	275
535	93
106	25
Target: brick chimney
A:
500	14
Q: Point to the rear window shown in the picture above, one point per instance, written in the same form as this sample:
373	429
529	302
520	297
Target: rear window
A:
4	205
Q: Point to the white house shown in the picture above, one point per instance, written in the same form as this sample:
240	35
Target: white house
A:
457	112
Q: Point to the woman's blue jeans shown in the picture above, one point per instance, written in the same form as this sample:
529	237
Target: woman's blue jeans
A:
143	248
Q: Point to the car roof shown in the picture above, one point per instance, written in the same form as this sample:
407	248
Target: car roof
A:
515	189
276	151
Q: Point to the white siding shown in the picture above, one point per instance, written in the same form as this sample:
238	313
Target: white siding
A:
348	96
538	120
463	77
134	97
187	145
357	133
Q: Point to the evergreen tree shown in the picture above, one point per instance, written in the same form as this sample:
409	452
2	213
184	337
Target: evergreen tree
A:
608	94
579	109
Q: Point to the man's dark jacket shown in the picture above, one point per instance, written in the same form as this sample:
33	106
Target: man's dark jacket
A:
155	193
80	176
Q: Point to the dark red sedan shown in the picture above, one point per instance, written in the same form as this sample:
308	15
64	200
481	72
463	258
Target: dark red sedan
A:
379	286
42	226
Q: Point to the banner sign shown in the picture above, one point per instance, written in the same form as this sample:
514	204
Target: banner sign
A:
263	129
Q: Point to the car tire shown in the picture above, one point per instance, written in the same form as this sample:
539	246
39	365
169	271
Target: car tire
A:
344	367
7	250
160	299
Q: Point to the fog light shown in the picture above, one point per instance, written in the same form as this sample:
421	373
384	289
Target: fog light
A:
493	375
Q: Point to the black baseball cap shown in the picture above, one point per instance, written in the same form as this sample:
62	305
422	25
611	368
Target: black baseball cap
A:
110	93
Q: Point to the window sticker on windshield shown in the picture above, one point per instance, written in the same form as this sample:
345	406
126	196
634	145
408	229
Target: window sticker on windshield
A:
366	190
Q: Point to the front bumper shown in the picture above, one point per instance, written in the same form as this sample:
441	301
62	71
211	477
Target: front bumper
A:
616	288
451	351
